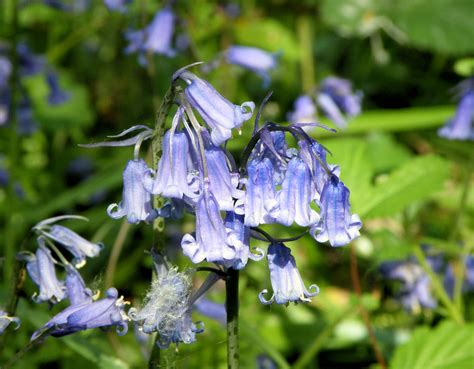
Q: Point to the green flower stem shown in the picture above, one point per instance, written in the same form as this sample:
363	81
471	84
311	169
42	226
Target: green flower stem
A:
438	288
306	39
232	309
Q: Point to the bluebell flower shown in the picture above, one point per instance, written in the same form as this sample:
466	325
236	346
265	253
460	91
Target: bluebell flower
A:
240	238
41	270
211	309
296	195
136	201
265	362
29	63
5	321
272	145
5	71
218	112
468	279
106	312
415	291
211	241
336	225
74	243
222	183
156	37
341	92
77	291
117	5
56	95
460	126
174	176
331	110
285	278
167	309
304	110
259	204
254	59
25	118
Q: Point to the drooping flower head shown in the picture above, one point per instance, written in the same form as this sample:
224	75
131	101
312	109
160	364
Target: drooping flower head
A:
136	200
77	291
117	5
218	112
460	127
340	91
337	225
106	312
211	241
174	178
304	110
259	204
254	59
156	37
296	195
211	309
56	94
41	269
285	278
6	320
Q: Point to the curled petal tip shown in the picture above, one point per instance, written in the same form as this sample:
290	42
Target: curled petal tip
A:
263	300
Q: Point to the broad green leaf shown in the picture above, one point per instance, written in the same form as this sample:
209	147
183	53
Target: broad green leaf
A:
413	181
385	153
447	346
437	25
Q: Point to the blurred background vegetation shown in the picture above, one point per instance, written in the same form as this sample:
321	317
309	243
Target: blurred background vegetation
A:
405	181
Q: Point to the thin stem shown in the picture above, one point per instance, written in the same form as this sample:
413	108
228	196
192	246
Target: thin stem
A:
438	286
305	35
321	339
365	314
115	254
459	281
232	309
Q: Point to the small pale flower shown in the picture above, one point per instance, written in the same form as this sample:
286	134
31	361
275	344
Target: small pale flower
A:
56	94
260	204
117	5
460	127
304	110
253	59
136	201
218	112
77	291
340	91
285	278
296	195
173	178
6	320
336	225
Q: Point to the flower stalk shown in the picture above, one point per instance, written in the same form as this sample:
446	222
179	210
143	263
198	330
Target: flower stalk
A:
232	309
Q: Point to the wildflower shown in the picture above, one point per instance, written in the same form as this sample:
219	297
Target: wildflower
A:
285	278
136	201
211	241
222	183
240	239
117	5
5	321
56	95
41	269
26	121
166	309
76	288
156	37
296	195
468	279
211	309
304	110
415	291
75	244
105	312
336	98
254	59
218	112
173	177
259	205
336	225
460	126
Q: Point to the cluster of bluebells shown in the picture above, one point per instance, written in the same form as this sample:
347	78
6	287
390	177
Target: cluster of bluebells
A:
29	64
336	100
415	289
196	174
85	310
460	127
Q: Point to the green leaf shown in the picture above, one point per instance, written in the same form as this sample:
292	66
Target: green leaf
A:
464	67
437	25
413	181
447	346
